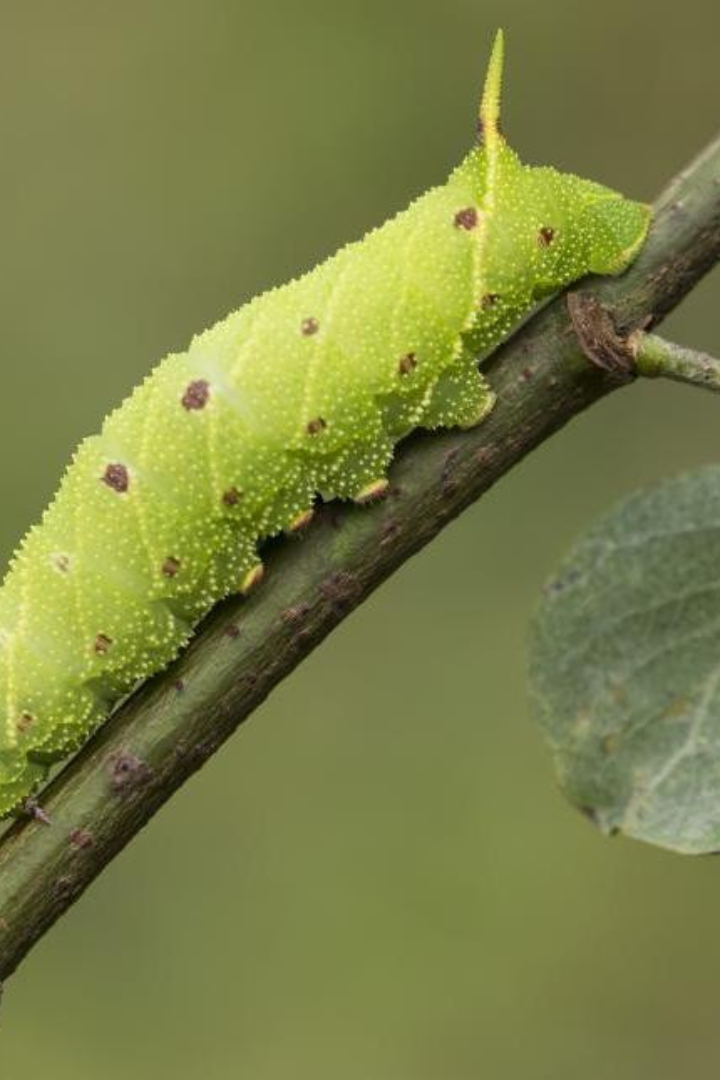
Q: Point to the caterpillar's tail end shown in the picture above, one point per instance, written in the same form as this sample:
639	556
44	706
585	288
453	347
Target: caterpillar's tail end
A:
489	117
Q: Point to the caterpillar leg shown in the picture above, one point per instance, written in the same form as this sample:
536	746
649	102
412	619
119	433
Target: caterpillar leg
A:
252	578
300	522
372	492
460	398
357	471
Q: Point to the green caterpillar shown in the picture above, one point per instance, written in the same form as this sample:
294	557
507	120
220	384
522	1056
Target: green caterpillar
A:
303	391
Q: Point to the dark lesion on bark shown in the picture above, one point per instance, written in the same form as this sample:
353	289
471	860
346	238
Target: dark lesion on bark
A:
598	337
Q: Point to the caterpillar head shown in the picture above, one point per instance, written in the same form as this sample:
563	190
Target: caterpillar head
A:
614	228
579	227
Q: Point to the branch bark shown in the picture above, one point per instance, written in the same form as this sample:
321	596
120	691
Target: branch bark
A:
169	728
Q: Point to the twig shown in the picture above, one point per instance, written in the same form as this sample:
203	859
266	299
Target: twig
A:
166	732
655	358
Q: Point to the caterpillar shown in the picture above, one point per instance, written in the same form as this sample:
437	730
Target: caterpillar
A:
301	394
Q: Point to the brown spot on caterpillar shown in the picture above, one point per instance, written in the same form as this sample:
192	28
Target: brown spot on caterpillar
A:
407	363
25	722
546	236
309	326
80	838
231	497
489	300
467	218
101	644
171	566
196	395
116	477
316	426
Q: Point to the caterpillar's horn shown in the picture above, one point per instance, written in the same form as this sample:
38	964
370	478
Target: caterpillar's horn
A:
490	104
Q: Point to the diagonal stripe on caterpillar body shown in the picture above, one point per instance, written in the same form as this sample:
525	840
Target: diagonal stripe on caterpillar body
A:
304	390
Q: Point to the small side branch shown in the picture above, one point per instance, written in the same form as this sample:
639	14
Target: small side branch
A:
657	358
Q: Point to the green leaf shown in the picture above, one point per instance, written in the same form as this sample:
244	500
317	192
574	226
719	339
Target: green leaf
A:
625	667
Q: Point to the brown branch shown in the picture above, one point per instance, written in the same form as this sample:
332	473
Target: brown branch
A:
166	732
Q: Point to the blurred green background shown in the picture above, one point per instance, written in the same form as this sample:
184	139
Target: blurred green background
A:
377	877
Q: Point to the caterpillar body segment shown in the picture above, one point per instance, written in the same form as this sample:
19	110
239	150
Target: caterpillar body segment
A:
304	391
